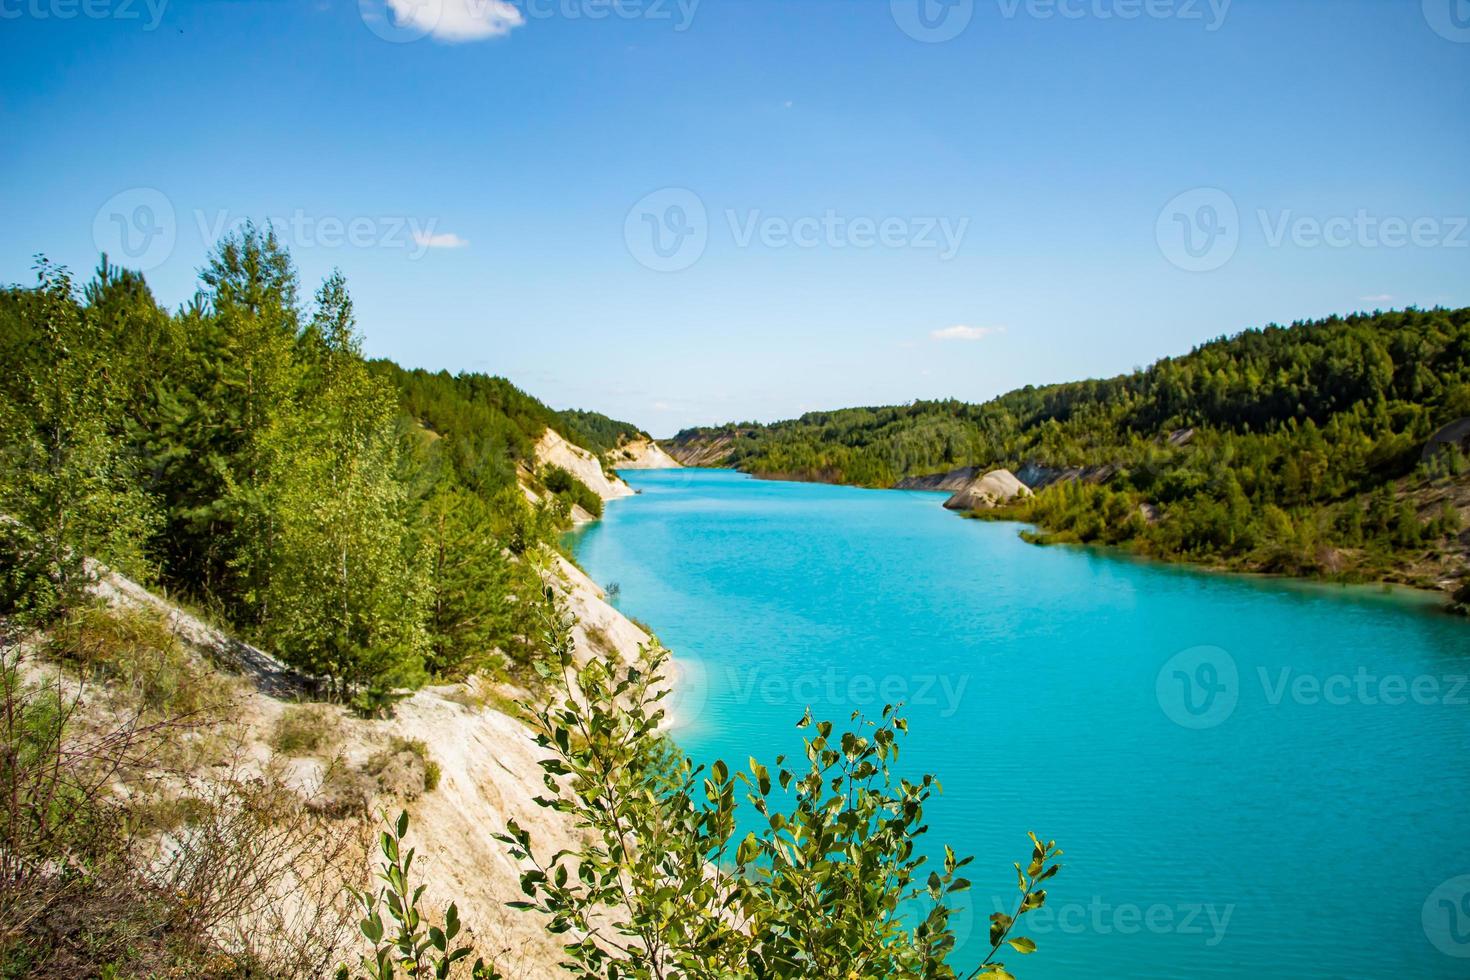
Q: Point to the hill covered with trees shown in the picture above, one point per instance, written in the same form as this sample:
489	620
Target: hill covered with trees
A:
374	527
364	519
1295	449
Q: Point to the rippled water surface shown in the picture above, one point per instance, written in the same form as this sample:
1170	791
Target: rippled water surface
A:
1251	778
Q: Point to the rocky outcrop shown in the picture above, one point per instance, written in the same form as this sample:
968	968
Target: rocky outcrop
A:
703	448
1031	477
1039	477
1456	434
642	454
1179	438
952	482
994	488
553	450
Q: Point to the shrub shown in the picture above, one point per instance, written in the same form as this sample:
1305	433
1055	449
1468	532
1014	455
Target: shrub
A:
567	487
344	792
306	729
136	652
418	949
404	768
157	883
375	702
827	888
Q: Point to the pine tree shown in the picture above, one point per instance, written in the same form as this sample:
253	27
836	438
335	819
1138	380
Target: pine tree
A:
246	379
477	592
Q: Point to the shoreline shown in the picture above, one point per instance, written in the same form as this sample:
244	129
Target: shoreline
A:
1435	599
1425	599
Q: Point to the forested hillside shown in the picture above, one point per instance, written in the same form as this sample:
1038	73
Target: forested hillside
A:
1293	449
374	527
595	431
363	519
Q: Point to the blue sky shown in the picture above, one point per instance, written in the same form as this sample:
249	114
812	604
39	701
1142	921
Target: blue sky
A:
853	204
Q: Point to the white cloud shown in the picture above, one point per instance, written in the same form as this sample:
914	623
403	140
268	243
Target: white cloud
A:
457	20
1381	298
446	240
961	332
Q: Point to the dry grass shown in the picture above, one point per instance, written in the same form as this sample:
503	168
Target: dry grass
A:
307	729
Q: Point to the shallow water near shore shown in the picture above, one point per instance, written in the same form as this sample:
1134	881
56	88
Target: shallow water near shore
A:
1250	778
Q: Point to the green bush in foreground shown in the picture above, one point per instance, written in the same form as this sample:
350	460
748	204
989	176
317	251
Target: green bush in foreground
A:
413	947
666	888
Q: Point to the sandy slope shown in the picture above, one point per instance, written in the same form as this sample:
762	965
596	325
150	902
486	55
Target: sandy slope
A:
553	450
642	454
488	760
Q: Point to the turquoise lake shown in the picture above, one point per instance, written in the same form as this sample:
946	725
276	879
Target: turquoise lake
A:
1250	777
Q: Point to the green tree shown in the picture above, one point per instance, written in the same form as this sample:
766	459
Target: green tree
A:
247	378
71	490
477	590
344	595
